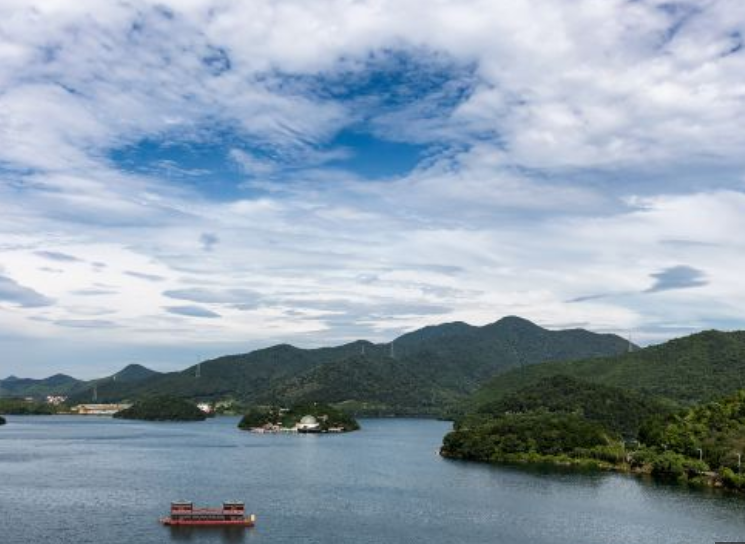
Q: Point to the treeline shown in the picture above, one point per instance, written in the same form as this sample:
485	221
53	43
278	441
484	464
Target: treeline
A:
21	407
162	408
569	421
559	419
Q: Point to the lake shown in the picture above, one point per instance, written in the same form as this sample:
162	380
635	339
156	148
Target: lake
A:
72	479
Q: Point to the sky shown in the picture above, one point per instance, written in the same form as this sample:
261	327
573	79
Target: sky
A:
189	178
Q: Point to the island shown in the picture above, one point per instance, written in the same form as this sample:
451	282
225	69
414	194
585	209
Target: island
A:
162	408
304	418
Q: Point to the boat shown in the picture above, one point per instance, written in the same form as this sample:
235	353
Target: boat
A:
231	514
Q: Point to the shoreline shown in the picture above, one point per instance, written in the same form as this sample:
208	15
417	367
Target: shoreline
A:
704	480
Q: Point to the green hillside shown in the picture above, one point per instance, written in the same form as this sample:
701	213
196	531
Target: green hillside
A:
133	373
239	376
620	412
556	418
62	384
664	410
423	372
688	370
59	384
372	385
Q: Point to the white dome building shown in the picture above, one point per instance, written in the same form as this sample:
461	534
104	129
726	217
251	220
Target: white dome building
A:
308	424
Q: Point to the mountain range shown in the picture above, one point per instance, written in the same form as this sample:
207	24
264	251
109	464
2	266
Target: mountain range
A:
425	372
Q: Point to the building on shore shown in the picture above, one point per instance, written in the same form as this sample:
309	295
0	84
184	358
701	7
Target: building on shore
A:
308	424
99	409
205	407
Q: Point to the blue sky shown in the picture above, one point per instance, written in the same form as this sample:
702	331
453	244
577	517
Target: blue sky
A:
180	180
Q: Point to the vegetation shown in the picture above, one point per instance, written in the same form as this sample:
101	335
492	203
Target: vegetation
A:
564	420
2	420
21	407
525	436
327	416
684	371
162	408
560	419
59	384
432	370
711	434
619	412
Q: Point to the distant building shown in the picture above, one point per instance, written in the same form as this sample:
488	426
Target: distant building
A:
308	424
56	400
205	407
99	409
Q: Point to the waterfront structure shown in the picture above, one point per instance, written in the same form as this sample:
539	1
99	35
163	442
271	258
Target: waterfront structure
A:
205	407
99	409
56	400
308	424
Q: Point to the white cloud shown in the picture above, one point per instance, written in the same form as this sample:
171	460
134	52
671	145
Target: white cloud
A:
530	194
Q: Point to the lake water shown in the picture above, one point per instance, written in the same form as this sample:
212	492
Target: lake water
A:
84	480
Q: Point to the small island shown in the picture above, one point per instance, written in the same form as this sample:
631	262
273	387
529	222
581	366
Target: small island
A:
306	418
162	408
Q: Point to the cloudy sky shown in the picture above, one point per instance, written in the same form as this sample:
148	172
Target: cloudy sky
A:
189	178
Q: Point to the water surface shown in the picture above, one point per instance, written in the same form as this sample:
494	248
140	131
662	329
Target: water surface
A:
84	480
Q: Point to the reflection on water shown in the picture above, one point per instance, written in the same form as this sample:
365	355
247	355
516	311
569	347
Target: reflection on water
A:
209	534
100	480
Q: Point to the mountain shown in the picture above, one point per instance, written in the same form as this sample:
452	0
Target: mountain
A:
418	373
59	384
62	384
697	368
133	373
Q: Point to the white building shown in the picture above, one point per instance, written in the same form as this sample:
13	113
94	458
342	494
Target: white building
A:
308	424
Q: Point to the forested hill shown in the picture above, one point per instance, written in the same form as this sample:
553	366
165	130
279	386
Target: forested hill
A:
418	373
688	370
59	384
62	384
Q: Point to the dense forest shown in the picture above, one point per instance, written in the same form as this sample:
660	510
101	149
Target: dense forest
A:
557	419
564	420
685	371
162	408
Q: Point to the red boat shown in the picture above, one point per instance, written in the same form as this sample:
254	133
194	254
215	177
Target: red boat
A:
232	514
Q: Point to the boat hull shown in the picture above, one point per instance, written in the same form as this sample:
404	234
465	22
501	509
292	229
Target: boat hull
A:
246	522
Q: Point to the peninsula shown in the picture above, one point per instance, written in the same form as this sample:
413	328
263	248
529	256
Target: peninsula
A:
676	410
